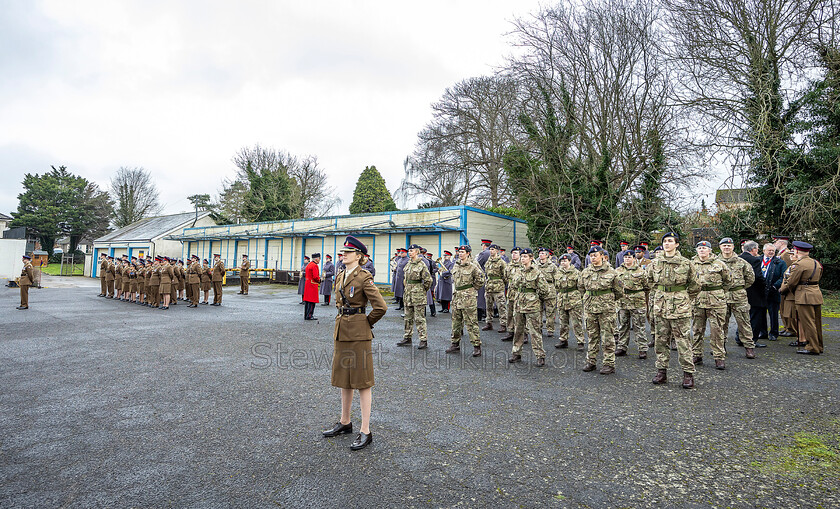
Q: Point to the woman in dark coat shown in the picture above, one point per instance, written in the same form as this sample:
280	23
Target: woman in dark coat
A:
327	277
302	282
352	366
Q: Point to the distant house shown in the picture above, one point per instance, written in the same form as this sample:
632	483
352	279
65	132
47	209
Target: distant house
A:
4	222
146	238
84	245
733	199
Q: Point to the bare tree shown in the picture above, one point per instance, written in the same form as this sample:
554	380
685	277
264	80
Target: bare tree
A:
316	197
135	195
474	124
605	144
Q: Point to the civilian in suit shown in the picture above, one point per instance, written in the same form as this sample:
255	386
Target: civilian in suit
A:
773	268
755	294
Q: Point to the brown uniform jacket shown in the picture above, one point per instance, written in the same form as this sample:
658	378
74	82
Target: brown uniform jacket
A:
103	269
27	275
804	277
194	272
219	271
167	273
359	289
244	269
109	273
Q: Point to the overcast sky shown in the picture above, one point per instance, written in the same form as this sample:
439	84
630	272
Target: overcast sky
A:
179	87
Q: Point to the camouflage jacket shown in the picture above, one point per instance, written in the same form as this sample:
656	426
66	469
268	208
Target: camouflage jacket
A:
601	288
497	274
566	284
417	281
512	270
714	280
531	288
549	270
467	278
635	281
671	280
741	277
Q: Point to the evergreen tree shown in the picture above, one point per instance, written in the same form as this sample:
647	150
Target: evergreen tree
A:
371	194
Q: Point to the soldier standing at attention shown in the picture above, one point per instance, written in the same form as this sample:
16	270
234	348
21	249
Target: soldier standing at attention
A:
310	291
672	278
782	251
549	304
118	270
633	307
109	277
329	274
494	290
154	281
193	280
569	303
481	259
430	295
176	279
714	279
132	280
443	289
512	268
399	286
182	280
167	275
601	289
803	281
206	280
244	275
532	289
623	248
467	277
352	366
417	281
741	276
103	272
27	277
217	278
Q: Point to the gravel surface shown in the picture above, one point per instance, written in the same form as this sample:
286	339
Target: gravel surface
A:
109	404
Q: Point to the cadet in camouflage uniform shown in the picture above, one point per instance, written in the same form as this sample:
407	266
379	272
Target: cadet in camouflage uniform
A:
671	280
633	307
532	288
602	289
494	291
710	304
512	268
742	277
569	302
417	281
467	278
549	304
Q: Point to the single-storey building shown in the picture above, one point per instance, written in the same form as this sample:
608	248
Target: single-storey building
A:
146	238
281	245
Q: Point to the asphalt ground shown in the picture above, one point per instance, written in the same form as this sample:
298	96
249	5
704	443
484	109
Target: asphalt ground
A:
109	404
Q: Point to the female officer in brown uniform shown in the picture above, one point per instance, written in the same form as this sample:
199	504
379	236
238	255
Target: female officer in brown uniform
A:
352	358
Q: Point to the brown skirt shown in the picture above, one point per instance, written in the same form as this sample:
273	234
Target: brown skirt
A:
165	288
205	286
352	366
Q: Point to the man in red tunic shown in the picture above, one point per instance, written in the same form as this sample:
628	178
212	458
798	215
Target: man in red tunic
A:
310	287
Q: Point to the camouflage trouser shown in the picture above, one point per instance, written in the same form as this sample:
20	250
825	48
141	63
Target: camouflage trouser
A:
636	319
497	298
741	312
575	316
460	317
651	318
679	330
715	317
549	308
415	315
532	322
511	298
600	328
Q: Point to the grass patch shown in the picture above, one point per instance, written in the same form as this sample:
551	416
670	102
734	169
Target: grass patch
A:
811	455
831	304
54	268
